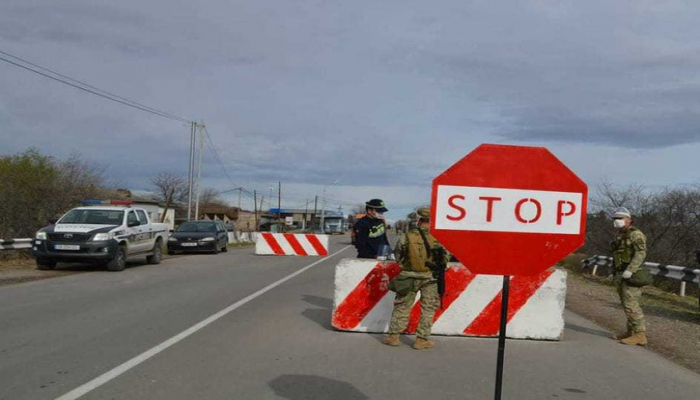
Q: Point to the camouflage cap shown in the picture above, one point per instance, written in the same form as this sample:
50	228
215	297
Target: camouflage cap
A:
423	212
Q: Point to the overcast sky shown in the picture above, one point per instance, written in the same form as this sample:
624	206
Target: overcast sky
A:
379	95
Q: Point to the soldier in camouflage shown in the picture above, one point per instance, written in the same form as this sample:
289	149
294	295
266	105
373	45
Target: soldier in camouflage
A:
413	257
629	252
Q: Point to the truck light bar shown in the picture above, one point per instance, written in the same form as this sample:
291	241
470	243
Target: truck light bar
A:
107	202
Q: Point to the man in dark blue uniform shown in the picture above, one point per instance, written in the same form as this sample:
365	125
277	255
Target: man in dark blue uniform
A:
370	230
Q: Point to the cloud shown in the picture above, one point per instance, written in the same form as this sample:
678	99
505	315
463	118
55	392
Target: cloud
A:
379	95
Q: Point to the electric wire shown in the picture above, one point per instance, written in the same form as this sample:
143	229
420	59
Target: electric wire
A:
66	80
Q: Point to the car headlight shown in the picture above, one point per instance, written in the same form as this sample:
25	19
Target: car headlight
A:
41	235
100	237
208	239
172	239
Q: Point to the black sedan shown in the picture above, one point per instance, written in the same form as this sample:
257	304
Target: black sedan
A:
199	236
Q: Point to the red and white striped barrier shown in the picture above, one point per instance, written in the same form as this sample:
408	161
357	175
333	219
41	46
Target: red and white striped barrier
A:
471	304
291	244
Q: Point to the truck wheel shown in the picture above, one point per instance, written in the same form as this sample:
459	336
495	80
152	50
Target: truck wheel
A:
118	263
157	255
45	264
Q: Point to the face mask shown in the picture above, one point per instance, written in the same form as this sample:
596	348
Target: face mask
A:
619	223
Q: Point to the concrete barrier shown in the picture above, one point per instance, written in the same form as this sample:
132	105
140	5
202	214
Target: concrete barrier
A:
291	244
471	305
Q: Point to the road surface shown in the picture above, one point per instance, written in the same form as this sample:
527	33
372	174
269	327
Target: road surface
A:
229	326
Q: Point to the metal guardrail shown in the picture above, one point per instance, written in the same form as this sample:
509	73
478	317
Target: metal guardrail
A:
15	244
683	274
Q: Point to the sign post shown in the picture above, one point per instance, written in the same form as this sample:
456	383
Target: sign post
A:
510	211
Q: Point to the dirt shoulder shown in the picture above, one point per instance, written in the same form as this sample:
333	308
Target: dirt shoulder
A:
673	322
24	270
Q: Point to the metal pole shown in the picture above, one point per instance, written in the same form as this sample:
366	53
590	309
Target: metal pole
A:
313	220
306	214
191	175
323	212
255	209
199	171
239	197
279	202
502	336
262	201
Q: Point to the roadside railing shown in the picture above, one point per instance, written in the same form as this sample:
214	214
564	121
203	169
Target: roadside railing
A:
15	244
683	274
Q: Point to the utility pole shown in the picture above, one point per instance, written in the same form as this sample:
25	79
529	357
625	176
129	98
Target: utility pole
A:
193	127
323	212
279	202
262	201
199	169
313	220
239	197
255	208
306	214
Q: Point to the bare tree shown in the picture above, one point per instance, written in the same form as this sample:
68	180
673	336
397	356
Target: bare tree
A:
167	185
670	219
209	197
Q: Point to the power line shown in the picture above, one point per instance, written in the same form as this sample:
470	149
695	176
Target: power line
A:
215	152
88	88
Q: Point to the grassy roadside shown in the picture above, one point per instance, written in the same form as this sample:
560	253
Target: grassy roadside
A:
673	322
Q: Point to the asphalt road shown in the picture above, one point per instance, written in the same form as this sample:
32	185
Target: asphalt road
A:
59	337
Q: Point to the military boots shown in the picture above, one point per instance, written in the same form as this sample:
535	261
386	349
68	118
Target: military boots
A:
392	340
423	344
636	339
623	335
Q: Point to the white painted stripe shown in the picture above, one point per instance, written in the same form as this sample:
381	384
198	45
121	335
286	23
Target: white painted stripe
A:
284	244
304	242
480	292
121	369
261	246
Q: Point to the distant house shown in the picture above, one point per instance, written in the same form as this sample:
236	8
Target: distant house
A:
246	220
228	215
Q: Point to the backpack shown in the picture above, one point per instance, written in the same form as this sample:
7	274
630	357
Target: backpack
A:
417	254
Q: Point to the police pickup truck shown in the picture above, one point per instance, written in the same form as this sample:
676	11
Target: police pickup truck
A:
107	233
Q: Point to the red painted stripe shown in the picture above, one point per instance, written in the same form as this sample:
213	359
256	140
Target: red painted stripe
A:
292	239
322	251
521	289
272	242
457	279
365	296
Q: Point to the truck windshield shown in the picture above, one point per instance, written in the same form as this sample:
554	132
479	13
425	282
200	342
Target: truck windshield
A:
197	227
93	217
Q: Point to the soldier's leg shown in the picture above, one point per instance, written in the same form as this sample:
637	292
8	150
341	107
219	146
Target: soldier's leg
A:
635	315
402	311
429	303
623	300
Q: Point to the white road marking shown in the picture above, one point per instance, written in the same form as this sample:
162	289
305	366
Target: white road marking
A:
121	369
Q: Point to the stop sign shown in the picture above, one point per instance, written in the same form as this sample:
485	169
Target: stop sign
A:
509	210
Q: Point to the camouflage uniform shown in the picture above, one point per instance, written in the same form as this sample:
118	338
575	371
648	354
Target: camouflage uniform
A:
629	250
423	282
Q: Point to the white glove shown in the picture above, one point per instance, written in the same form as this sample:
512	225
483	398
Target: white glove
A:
626	274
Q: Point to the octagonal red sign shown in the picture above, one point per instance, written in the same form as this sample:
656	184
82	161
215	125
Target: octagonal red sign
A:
509	210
